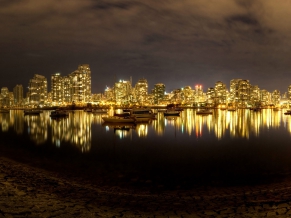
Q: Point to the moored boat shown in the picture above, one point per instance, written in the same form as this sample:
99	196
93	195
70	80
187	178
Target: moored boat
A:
59	113
142	112
99	111
171	113
4	110
116	119
288	112
32	112
204	112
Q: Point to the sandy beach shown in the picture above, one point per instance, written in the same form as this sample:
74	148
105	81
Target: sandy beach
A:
38	188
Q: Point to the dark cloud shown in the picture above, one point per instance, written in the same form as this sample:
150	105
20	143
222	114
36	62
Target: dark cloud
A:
174	42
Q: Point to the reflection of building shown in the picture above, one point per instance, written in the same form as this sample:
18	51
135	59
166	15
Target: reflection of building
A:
18	95
37	92
141	91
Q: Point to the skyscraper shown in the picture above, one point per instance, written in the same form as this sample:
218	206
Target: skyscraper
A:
159	92
37	92
18	95
141	91
80	81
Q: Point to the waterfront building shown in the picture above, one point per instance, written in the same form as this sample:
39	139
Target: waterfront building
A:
18	95
4	97
177	96
141	91
122	92
220	93
188	95
80	85
276	97
109	95
37	92
199	96
210	96
159	92
265	97
255	95
57	89
289	94
240	92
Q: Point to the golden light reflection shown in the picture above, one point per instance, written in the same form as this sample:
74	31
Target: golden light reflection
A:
76	129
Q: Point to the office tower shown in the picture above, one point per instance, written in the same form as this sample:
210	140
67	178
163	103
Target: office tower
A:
188	95
18	95
275	97
57	89
220	93
37	92
240	92
159	92
141	91
80	84
122	92
255	95
4	97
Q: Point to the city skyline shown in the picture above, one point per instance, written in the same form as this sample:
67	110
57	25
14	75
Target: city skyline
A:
180	43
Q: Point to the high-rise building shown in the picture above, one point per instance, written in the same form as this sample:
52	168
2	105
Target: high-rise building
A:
220	93
18	95
80	84
37	90
276	97
4	97
57	89
239	92
141	91
122	92
159	92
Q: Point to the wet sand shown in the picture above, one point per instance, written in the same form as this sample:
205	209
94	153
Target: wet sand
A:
32	186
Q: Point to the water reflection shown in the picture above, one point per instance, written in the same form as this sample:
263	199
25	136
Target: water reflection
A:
76	129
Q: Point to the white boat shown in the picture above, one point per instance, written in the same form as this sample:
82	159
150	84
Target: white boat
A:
59	113
142	112
32	112
115	119
204	112
171	113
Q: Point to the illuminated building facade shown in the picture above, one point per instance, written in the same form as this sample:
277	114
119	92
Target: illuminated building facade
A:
37	92
141	91
18	95
188	95
289	94
80	84
265	97
5	99
159	92
255	95
122	92
210	96
199	96
57	89
276	97
239	92
220	93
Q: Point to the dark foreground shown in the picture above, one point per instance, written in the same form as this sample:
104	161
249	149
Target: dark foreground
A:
32	187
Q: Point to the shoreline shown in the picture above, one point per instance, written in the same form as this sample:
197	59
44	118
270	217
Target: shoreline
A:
35	189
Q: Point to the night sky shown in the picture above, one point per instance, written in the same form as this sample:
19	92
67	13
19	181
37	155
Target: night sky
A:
175	42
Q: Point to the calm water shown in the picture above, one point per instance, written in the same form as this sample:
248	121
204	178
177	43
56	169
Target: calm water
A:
223	144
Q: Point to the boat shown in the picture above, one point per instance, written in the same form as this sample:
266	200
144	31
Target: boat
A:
276	109
32	112
116	119
99	111
142	112
125	114
4	110
88	110
142	119
172	113
288	112
59	113
204	112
